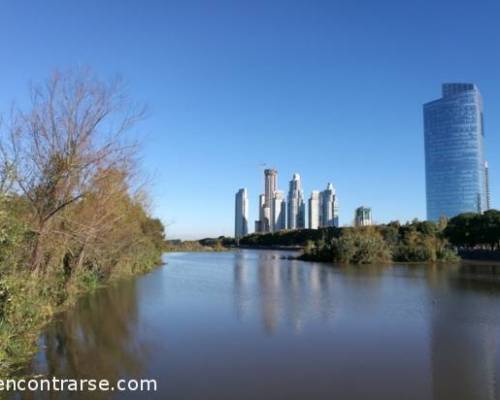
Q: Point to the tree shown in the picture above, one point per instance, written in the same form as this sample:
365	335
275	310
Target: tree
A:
490	228
462	230
73	134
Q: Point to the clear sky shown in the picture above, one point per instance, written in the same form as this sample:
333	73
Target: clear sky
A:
330	89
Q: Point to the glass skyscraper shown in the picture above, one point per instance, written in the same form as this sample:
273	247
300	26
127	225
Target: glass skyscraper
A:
241	214
456	176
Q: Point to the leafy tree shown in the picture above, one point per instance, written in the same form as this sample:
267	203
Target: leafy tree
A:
490	229
72	133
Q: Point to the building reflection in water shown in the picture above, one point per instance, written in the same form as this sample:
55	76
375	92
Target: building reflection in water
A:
463	330
288	291
240	283
463	335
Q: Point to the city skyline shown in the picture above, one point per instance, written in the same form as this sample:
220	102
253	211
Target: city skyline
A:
277	212
233	85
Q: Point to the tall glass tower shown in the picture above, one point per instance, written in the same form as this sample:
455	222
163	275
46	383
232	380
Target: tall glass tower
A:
456	176
241	214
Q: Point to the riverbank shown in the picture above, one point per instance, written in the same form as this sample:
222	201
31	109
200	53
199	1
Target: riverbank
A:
31	302
271	247
73	216
193	247
480	255
282	313
203	245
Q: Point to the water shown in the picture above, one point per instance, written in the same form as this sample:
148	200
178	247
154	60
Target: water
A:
250	325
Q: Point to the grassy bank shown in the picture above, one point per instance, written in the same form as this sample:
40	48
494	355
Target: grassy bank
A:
30	302
29	297
73	215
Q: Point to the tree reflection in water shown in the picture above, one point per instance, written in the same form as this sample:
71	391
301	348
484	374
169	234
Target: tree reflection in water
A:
95	340
246	324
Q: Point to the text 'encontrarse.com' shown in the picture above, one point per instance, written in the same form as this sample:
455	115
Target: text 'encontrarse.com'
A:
77	385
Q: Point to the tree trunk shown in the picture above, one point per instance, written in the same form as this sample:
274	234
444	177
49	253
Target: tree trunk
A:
81	257
37	252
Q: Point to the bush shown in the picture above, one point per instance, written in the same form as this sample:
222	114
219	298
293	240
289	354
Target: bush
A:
412	242
360	246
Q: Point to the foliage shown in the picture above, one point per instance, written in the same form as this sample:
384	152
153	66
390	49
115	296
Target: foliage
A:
208	244
360	246
418	241
471	230
353	246
298	237
70	219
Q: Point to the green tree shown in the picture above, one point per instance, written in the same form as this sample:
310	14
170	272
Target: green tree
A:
490	229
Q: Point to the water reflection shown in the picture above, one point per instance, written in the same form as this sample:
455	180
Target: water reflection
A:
290	291
464	333
251	324
240	282
95	340
287	290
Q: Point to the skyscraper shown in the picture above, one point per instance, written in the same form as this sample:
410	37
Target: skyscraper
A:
314	210
363	216
456	172
279	211
241	214
262	224
270	183
296	205
270	203
328	207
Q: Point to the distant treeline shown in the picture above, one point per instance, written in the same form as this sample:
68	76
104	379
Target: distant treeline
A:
73	214
296	237
208	244
416	241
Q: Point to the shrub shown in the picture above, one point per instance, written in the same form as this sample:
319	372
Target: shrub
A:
361	246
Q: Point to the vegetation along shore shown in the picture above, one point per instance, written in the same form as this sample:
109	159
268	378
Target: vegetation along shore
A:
471	235
73	214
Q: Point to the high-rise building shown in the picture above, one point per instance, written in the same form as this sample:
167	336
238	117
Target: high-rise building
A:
328	207
269	205
363	216
296	205
241	214
456	172
263	223
279	211
270	185
314	209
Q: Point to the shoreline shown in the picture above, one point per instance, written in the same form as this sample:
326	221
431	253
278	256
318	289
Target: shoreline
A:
25	343
270	247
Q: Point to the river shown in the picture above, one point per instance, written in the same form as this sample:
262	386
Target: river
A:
251	325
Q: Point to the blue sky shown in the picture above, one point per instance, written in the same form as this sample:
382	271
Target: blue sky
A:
330	89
